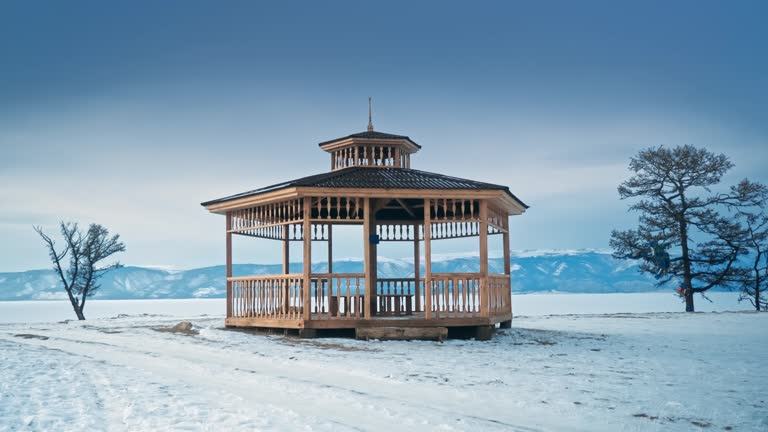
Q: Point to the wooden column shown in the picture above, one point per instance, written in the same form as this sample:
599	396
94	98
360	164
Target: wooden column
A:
229	264
427	259
330	249
508	272
483	258
507	264
369	229
329	294
416	267
307	286
286	251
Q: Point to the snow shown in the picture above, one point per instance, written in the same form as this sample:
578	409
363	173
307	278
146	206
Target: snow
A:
603	372
523	304
560	269
207	292
535	253
608	362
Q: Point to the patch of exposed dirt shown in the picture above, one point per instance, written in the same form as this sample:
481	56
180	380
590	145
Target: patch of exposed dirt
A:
184	327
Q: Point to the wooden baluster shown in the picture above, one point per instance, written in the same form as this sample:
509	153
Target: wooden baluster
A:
247	310
446	296
355	298
463	297
338	294
282	298
261	297
291	298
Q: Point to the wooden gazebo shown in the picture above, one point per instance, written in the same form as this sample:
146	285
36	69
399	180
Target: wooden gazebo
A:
371	183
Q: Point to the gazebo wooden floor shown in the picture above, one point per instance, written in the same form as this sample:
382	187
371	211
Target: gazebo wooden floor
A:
417	319
416	324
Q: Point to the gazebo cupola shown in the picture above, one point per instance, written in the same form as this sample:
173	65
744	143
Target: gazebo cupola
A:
370	149
371	185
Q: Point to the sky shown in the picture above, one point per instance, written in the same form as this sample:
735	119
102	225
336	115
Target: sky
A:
130	114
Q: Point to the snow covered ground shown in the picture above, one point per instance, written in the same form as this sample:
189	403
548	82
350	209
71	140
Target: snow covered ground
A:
523	304
634	372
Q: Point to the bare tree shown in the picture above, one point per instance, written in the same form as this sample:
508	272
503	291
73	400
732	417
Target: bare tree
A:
678	209
82	255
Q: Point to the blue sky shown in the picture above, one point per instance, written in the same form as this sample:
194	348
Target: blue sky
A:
132	113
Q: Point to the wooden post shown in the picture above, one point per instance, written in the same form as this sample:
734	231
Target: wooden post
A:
507	264
416	267
508	272
307	260
369	229
484	311
330	267
286	251
229	264
427	259
330	248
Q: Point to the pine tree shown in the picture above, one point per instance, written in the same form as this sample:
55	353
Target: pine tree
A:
679	210
752	274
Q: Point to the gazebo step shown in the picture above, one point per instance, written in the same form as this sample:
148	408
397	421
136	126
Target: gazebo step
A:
402	333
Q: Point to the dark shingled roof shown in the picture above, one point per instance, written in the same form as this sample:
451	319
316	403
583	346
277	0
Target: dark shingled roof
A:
387	178
371	135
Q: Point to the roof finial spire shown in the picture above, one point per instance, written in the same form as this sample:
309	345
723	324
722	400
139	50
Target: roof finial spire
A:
370	123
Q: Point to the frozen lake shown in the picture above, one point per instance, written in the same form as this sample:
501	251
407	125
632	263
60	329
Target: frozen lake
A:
522	305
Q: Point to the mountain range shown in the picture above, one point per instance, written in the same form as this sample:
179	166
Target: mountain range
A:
570	271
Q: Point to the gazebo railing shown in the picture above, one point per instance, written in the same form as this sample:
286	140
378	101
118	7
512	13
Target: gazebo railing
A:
455	295
267	297
339	296
499	298
399	296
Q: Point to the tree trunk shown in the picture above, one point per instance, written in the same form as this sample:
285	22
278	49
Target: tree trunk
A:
688	287
78	311
689	301
756	269
76	307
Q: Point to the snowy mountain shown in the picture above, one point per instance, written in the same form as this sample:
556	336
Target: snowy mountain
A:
574	271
